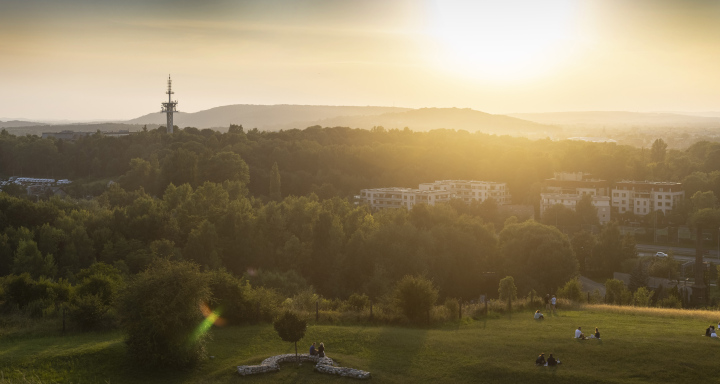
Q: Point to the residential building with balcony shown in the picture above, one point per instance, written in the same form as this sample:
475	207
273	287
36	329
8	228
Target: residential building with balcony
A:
643	197
568	188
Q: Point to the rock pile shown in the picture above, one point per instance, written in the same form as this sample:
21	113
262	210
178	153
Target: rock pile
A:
323	365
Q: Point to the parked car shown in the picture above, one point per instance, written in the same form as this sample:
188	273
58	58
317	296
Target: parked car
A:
661	254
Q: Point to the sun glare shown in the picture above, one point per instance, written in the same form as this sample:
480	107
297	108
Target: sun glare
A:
501	40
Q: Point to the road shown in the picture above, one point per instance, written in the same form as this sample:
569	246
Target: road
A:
680	253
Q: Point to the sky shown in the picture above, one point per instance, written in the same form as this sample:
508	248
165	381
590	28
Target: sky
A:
110	59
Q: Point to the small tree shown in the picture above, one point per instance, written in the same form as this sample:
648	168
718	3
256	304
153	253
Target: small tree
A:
415	295
615	291
642	297
290	328
507	289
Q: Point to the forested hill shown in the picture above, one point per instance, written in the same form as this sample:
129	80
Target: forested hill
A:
277	117
263	117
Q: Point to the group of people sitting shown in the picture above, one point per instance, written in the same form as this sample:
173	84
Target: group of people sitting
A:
551	361
580	335
319	351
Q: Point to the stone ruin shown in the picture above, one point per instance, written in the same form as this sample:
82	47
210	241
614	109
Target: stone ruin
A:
322	364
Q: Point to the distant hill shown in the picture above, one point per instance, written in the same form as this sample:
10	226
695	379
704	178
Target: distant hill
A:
425	119
18	123
263	117
611	119
276	117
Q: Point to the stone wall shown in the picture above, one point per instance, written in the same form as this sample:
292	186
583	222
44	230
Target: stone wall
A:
323	365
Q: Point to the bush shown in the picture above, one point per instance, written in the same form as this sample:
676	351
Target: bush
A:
615	292
572	291
358	302
88	311
265	303
642	297
453	307
414	296
230	297
161	312
507	289
671	301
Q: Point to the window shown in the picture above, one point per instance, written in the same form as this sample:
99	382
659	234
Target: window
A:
668	204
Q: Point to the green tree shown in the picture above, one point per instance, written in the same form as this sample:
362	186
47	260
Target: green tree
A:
29	259
415	295
275	182
583	244
507	289
657	152
226	166
538	256
608	253
202	246
572	290
161	312
586	211
291	329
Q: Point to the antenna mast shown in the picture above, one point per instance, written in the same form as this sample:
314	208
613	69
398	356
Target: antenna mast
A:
169	107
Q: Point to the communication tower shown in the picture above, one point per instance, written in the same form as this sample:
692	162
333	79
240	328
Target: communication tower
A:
169	107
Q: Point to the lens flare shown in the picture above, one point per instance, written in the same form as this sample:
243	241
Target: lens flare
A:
211	318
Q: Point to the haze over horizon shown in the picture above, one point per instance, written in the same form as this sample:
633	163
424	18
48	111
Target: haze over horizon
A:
88	60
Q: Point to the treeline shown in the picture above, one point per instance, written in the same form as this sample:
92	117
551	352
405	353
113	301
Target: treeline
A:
340	161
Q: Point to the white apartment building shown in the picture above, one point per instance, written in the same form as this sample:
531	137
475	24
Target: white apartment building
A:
471	190
602	203
643	197
432	193
568	188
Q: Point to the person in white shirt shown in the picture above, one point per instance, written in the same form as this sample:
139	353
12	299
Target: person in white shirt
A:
553	301
579	334
538	315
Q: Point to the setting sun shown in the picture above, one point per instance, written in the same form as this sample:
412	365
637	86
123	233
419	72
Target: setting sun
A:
502	40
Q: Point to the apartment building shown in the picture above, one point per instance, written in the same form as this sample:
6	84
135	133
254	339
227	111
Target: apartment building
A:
432	193
568	188
643	197
471	190
602	203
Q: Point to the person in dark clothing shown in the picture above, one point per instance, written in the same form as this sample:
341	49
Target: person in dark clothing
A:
551	362
547	301
321	350
597	333
313	351
708	331
540	359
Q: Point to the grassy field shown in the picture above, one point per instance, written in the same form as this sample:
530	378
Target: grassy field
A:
636	346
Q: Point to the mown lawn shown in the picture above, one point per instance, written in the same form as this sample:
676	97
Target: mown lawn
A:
634	348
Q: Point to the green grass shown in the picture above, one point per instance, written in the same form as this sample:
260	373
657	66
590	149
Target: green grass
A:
636	347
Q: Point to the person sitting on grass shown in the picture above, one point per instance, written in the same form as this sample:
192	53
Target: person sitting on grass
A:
321	350
313	351
552	362
579	334
540	361
597	333
708	331
712	331
538	315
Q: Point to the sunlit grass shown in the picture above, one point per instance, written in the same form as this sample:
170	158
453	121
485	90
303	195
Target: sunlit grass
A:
638	345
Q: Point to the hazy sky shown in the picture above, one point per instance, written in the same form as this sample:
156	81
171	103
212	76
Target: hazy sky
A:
109	59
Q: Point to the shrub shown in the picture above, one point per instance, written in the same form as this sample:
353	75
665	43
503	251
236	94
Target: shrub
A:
507	289
161	312
88	311
265	303
615	291
414	296
358	302
230	296
453	307
642	297
572	290
671	301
